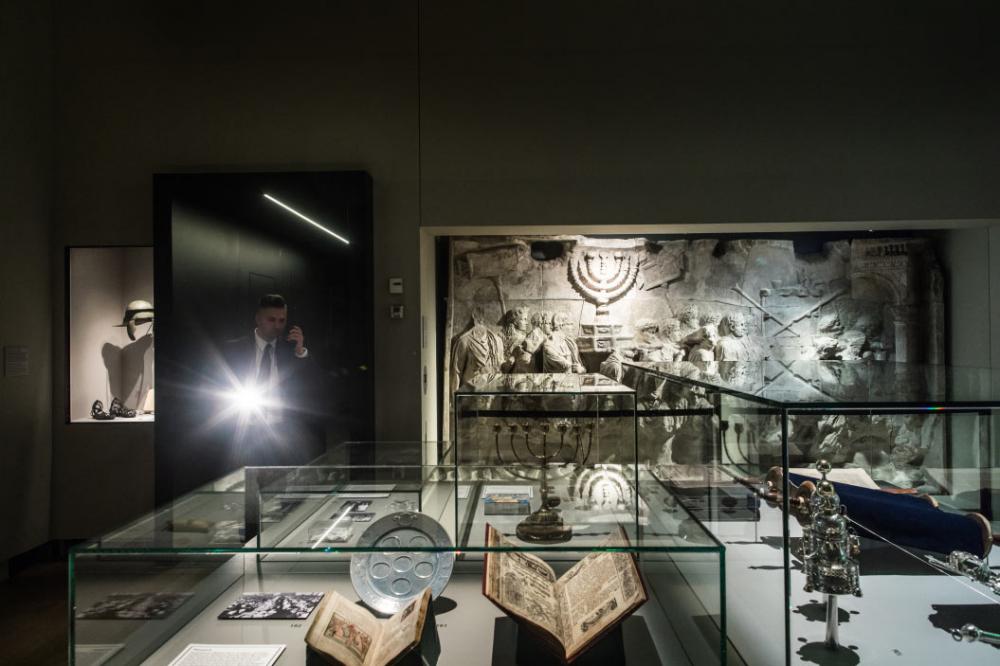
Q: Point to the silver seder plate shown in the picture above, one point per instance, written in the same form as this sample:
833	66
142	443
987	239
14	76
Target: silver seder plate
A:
386	581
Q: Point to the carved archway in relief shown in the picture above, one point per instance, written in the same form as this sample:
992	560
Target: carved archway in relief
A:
886	271
875	287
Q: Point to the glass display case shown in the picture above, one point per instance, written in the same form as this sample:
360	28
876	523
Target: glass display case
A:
140	595
566	442
212	515
542	418
906	450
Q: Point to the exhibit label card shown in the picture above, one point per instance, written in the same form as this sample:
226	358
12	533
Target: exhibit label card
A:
200	654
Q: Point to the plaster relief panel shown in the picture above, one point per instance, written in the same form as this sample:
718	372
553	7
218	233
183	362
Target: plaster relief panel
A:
595	303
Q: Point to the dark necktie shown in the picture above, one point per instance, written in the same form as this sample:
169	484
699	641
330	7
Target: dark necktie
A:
264	371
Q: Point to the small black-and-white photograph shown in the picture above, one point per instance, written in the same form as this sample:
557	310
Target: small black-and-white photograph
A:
228	531
139	606
351	507
274	510
273	606
326	531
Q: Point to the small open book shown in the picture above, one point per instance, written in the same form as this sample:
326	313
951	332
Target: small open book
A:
569	613
345	633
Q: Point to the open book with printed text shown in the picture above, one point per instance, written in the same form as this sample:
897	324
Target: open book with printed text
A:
572	612
345	633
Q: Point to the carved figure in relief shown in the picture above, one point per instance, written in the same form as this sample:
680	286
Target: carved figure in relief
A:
710	319
541	329
560	352
701	344
515	332
828	348
688	320
612	365
671	331
735	344
649	346
477	352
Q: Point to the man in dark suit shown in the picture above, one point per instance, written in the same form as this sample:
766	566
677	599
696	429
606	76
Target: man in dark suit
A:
274	371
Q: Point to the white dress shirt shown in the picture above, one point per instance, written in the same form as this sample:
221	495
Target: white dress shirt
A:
272	392
261	345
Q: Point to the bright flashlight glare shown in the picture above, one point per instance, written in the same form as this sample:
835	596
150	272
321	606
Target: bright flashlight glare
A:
247	399
303	217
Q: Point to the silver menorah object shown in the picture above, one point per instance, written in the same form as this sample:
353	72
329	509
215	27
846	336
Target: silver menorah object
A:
538	446
830	549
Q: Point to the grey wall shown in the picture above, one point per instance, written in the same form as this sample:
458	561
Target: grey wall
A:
227	86
965	254
25	294
638	112
993	295
529	113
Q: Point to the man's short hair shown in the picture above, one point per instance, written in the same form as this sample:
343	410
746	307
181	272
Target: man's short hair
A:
271	301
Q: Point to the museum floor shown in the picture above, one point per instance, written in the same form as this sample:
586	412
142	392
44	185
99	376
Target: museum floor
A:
33	616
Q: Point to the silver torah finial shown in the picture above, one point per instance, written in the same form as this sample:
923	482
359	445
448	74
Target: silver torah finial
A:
968	565
830	549
973	634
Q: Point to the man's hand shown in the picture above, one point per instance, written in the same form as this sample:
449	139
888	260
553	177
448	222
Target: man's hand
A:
295	335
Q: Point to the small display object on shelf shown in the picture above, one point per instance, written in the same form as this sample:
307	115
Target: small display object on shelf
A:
329	531
973	634
97	412
388	579
117	410
544	525
713	496
134	606
507	500
137	313
348	635
272	606
965	564
572	612
830	551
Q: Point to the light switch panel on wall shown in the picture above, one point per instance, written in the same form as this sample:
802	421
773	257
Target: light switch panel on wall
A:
395	311
396	285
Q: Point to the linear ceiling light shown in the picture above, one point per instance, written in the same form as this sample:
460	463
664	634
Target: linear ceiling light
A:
303	217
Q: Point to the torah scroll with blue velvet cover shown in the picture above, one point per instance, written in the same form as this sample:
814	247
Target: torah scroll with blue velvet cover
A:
907	520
